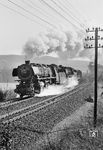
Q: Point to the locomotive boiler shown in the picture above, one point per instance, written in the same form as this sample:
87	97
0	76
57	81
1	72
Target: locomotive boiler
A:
33	76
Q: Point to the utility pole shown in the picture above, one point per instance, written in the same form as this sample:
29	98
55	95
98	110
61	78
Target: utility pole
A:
96	77
96	38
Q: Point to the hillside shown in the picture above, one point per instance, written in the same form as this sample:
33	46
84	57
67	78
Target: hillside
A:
10	61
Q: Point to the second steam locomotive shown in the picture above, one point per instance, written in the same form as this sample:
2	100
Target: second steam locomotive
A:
33	76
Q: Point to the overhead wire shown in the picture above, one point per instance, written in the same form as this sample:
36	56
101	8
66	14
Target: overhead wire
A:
66	12
38	9
71	13
18	12
36	15
32	13
32	6
60	14
68	2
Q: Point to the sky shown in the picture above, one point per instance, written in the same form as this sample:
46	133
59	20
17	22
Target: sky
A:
15	30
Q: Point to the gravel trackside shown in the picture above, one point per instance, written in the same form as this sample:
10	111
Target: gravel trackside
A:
46	119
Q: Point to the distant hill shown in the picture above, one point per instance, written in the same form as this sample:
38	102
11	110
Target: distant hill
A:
91	67
11	61
77	64
46	60
8	62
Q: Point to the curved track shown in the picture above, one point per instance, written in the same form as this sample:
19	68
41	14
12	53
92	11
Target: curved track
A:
17	114
21	104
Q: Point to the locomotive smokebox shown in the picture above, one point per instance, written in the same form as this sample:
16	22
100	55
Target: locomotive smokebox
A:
27	62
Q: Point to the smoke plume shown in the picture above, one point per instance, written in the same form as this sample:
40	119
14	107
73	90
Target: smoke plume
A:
65	44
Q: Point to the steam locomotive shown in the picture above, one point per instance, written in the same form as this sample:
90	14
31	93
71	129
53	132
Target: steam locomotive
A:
33	76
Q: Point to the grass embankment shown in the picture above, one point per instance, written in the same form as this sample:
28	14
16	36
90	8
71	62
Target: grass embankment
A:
78	137
6	95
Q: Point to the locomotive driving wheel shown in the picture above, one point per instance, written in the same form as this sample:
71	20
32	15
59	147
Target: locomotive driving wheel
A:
21	96
32	90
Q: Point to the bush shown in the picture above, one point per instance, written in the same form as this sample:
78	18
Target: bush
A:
2	95
6	95
10	94
87	78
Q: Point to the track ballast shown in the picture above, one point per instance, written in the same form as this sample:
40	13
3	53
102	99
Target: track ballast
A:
23	112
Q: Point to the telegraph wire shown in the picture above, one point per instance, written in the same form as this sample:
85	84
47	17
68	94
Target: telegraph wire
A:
22	14
35	15
39	7
67	13
71	13
44	10
68	2
54	17
36	8
31	13
60	14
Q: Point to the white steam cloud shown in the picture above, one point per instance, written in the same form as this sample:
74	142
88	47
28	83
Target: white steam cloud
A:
59	89
65	44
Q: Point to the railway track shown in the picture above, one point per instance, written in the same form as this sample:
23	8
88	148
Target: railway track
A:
10	107
23	112
15	105
14	101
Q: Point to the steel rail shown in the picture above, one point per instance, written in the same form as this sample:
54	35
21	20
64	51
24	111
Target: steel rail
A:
38	106
11	103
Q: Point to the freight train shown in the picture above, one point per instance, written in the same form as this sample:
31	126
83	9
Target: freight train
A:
33	76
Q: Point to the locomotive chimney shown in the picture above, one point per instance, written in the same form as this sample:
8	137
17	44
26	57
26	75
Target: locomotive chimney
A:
27	62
